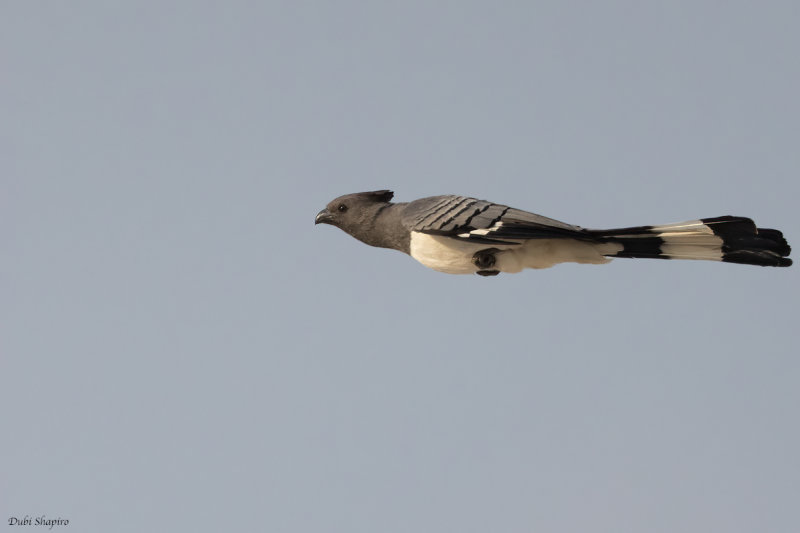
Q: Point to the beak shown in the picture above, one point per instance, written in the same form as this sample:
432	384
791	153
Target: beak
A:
323	217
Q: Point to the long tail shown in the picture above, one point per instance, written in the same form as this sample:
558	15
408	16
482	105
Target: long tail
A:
730	239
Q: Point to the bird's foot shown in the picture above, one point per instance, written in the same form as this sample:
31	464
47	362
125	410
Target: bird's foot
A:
485	259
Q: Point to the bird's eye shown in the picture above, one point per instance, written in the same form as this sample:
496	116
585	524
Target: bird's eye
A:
342	208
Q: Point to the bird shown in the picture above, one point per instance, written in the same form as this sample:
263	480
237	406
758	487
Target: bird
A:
462	235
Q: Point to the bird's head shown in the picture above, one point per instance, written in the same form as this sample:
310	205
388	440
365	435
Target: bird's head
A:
351	210
355	213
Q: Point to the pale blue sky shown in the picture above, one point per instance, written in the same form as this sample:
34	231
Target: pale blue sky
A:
182	350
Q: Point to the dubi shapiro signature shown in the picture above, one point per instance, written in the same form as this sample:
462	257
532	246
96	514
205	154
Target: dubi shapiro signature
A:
37	521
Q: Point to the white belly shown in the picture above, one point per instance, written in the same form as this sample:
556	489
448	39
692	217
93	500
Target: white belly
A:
445	254
454	256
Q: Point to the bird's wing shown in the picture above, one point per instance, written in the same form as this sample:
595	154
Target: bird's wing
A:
483	222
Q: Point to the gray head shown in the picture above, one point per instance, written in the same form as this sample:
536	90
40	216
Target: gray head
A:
358	215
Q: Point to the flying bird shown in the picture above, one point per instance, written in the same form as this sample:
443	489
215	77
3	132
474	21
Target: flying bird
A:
461	235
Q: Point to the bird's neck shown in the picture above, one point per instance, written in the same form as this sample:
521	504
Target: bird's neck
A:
383	228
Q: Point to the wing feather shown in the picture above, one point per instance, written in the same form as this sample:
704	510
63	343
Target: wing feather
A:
484	222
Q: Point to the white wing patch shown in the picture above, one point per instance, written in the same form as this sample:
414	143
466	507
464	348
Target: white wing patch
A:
485	231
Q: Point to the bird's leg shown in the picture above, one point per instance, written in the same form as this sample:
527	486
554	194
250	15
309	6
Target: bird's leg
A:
485	260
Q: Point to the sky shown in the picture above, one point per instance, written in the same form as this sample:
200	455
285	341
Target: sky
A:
183	350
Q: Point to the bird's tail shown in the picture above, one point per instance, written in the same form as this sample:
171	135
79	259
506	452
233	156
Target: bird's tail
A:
730	239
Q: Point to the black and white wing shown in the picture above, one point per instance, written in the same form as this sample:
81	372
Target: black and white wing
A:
483	222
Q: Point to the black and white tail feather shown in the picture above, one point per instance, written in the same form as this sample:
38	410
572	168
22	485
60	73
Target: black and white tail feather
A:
461	235
729	239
